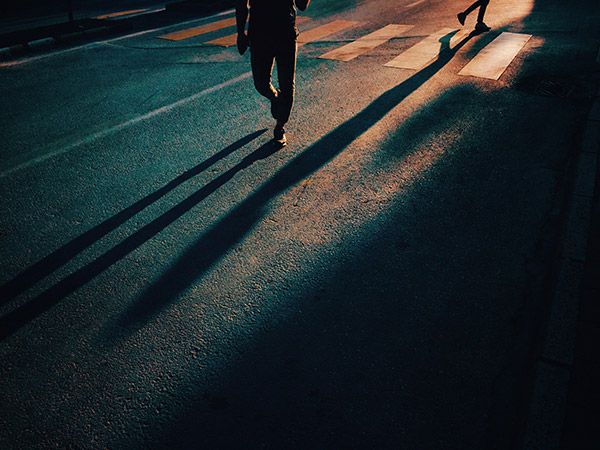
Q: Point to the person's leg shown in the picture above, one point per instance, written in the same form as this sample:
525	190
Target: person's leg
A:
482	8
286	71
462	16
480	26
471	8
261	59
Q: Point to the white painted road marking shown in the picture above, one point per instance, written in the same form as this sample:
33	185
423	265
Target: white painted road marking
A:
130	14
119	14
225	41
412	5
366	43
81	47
428	49
320	32
492	61
95	44
101	134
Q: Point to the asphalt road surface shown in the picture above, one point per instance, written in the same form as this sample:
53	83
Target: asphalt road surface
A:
169	280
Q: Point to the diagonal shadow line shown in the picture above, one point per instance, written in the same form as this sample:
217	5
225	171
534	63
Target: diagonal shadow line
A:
64	254
216	242
445	41
27	312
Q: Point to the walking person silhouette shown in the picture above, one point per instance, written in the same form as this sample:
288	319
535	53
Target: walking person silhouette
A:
271	36
482	5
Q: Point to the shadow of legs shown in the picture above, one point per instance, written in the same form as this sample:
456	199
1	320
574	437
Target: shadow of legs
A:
25	313
60	257
214	244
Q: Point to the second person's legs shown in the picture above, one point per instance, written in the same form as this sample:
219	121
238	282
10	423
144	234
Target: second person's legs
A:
471	8
482	5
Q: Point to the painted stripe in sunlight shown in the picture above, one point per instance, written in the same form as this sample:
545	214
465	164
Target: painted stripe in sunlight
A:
119	14
366	43
415	3
428	49
29	59
322	31
492	61
197	31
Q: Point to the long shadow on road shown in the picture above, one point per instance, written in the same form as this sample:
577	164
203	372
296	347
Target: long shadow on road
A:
217	241
22	315
67	252
214	244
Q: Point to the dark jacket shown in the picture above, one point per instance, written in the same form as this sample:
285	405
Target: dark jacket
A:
272	20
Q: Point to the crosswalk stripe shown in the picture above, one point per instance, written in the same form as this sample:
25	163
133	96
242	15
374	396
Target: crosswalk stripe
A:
418	2
320	32
225	41
428	49
196	31
228	41
492	61
366	43
119	14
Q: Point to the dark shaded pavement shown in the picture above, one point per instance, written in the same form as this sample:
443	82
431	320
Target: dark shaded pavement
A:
389	280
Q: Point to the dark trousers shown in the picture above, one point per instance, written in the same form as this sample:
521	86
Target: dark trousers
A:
263	55
482	4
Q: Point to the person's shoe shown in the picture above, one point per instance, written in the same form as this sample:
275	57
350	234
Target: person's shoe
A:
279	138
275	105
481	27
461	17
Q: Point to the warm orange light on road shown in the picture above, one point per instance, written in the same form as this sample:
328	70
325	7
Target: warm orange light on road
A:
324	30
122	13
197	31
366	43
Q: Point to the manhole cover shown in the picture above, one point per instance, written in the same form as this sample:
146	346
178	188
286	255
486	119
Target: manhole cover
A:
553	88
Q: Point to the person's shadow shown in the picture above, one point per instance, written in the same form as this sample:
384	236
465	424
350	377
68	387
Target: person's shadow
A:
67	252
215	243
210	247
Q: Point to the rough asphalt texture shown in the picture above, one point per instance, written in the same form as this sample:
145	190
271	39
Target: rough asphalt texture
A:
386	281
